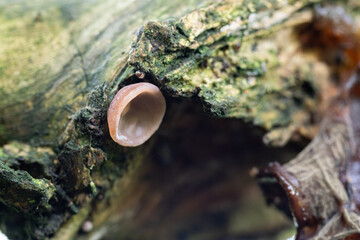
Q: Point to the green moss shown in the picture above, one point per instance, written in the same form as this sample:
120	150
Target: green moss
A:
20	155
219	55
21	191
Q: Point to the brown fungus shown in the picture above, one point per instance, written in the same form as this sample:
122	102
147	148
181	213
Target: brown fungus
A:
135	113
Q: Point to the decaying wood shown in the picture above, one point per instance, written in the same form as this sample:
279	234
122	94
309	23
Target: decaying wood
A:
321	183
61	65
320	187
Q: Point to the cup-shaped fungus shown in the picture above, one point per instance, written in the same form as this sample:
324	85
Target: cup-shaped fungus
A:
135	113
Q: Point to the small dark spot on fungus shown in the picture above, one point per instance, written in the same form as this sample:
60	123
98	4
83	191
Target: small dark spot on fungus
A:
135	113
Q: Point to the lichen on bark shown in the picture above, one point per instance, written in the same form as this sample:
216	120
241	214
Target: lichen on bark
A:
233	61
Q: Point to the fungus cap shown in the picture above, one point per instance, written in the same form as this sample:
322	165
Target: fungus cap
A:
135	113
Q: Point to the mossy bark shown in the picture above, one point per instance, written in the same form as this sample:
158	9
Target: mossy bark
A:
62	62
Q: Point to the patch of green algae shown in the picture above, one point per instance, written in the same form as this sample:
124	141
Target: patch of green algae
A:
21	191
26	154
229	57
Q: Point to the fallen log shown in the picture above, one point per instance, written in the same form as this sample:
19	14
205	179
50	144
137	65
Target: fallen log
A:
242	62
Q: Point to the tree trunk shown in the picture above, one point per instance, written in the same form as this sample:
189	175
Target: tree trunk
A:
240	62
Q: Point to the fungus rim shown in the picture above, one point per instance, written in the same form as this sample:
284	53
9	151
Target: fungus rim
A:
122	102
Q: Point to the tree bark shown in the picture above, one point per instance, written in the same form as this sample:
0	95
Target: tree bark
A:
61	65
